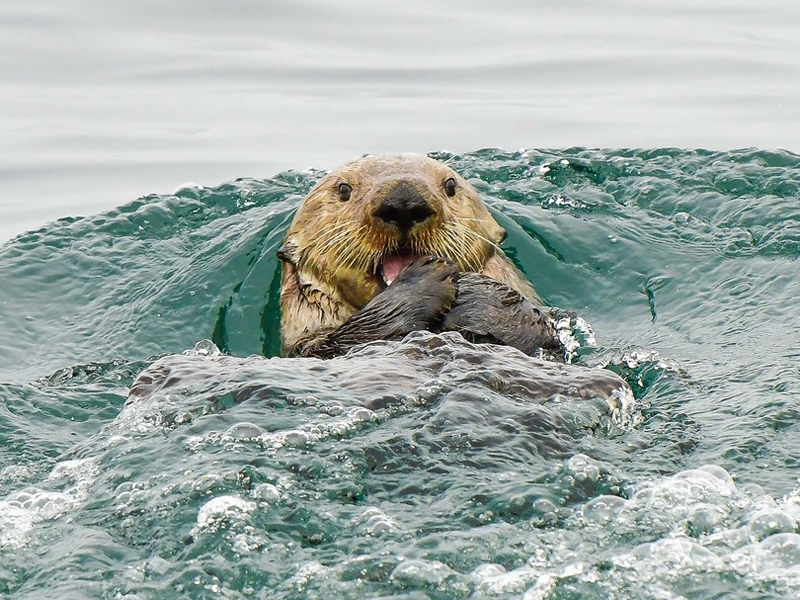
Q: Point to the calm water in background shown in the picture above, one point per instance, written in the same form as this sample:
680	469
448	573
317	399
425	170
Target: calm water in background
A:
105	101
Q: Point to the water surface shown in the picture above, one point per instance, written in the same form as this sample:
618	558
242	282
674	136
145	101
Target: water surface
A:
269	478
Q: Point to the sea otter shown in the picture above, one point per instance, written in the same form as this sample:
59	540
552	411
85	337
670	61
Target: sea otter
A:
400	251
386	245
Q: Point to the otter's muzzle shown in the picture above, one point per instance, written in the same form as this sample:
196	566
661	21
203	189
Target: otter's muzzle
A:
403	207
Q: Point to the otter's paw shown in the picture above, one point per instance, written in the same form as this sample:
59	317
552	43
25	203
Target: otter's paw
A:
423	293
418	299
489	311
430	271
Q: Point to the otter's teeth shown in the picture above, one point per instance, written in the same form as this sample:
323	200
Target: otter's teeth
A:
393	265
387	279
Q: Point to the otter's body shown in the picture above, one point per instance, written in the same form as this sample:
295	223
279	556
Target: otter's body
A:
376	251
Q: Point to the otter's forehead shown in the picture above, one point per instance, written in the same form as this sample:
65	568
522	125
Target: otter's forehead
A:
372	169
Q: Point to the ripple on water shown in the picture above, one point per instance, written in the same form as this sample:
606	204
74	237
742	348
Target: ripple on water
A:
463	385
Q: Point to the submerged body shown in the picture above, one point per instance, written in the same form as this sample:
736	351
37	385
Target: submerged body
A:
386	245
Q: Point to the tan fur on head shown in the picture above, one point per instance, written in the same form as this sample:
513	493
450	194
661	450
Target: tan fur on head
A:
335	246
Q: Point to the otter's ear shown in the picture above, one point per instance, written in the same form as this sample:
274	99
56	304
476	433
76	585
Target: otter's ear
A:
502	237
496	233
288	251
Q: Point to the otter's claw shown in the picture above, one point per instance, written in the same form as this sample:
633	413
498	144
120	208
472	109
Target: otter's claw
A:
429	270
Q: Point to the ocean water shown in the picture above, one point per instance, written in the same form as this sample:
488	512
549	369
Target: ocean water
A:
423	469
429	468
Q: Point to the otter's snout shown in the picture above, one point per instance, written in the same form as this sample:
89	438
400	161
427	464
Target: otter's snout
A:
403	207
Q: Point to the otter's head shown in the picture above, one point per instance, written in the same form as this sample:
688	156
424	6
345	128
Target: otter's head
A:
365	221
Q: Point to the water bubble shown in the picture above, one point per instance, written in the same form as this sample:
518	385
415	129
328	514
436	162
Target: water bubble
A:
560	201
488	571
267	493
205	484
307	572
20	511
767	522
583	468
719	473
706	481
244	431
373	521
16	473
305	400
49	505
379	523
547	512
204	348
332	408
668	557
681	218
603	509
704	518
297	439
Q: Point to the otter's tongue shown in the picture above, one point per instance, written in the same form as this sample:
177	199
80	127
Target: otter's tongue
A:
393	264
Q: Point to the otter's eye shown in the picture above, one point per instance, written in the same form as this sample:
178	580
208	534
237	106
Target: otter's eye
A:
344	192
450	187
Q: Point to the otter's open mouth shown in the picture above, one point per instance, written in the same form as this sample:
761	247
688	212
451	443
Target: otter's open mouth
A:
394	263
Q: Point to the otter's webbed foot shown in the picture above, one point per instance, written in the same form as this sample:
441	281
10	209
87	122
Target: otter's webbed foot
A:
418	299
486	310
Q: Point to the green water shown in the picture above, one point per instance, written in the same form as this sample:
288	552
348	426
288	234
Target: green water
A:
386	476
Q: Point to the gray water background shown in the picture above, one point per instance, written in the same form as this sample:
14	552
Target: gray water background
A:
101	102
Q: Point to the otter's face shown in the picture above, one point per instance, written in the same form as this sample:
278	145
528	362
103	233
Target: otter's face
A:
364	222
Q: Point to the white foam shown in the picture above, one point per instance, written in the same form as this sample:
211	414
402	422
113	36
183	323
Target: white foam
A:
376	523
306	573
418	573
22	510
493	580
203	348
190	186
222	509
574	332
16	524
701	526
304	436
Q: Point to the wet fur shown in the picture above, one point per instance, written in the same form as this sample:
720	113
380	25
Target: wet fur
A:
332	297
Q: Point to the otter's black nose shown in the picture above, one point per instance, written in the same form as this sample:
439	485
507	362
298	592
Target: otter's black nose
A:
404	207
